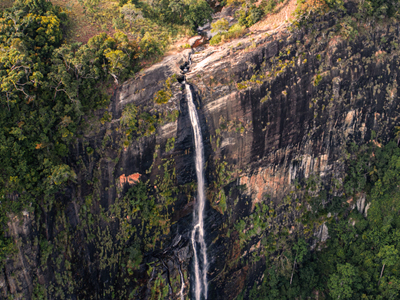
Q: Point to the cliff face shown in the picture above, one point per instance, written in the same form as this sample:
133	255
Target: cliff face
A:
276	109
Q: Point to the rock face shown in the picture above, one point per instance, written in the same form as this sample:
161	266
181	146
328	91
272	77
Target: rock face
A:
275	109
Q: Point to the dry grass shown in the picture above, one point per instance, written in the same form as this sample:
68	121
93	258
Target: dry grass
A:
179	45
6	3
279	19
282	15
82	25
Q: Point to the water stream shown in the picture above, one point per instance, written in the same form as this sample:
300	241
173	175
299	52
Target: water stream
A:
197	236
182	283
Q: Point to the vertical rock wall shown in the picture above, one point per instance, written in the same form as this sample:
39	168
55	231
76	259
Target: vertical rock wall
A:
275	109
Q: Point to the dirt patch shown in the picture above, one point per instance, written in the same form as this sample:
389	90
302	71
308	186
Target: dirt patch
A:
282	16
130	179
82	26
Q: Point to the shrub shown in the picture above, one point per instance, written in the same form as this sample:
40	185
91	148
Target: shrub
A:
317	80
162	96
150	46
220	26
234	32
131	13
248	16
186	46
216	39
268	6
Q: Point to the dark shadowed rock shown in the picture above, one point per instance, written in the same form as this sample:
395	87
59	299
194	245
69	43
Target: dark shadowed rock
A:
278	108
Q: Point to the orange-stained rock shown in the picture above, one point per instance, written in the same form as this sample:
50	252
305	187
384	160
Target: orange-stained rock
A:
197	41
130	179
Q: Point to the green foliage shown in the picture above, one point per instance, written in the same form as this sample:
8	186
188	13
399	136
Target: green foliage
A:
235	31
380	8
35	123
216	39
220	25
170	144
199	12
349	28
131	13
90	6
156	23
140	206
389	255
162	96
107	117
222	200
129	117
360	258
152	45
317	79
268	6
185	46
135	258
39	292
340	284
45	88
301	250
138	123
7	247
266	98
248	15
193	13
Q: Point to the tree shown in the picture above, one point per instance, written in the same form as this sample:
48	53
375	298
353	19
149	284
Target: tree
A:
131	13
389	256
249	15
340	284
301	250
198	13
150	46
117	60
177	7
220	25
390	287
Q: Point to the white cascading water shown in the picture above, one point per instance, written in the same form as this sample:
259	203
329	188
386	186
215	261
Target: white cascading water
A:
182	284
200	270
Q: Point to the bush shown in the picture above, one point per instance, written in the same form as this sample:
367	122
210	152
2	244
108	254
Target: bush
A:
268	6
216	39
150	46
186	46
234	32
220	26
162	96
248	16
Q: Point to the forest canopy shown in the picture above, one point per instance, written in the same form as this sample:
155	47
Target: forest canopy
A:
47	85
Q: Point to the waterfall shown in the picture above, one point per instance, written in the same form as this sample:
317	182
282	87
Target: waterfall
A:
200	267
182	283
